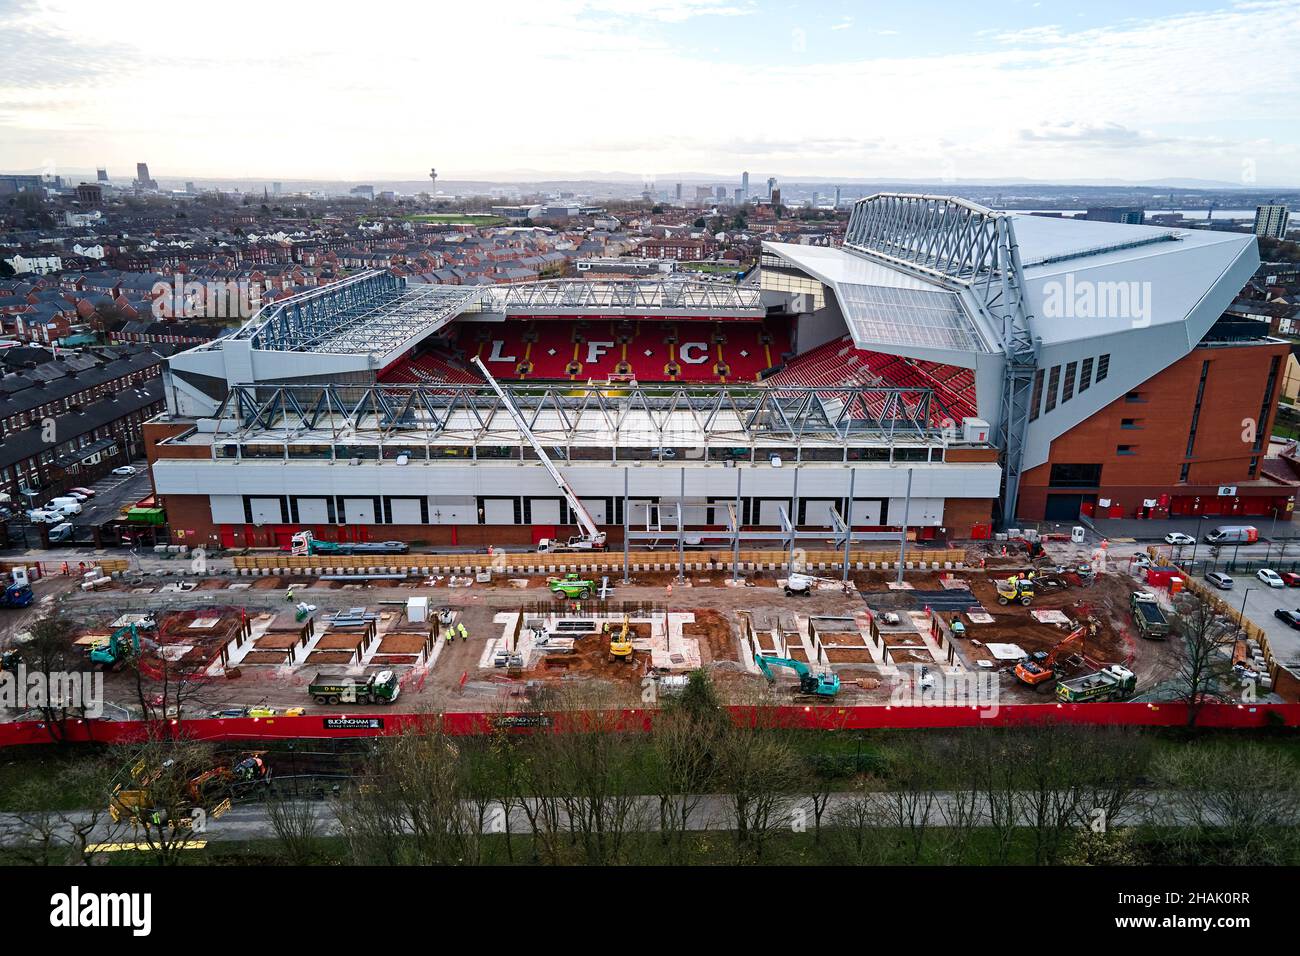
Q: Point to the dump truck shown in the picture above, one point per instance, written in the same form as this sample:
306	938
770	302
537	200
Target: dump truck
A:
377	688
1149	616
1112	682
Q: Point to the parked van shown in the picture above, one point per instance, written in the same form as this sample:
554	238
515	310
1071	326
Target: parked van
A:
60	533
1233	534
65	505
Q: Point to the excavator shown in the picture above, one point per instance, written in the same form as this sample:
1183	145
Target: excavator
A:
620	644
112	653
1039	673
223	781
212	790
810	684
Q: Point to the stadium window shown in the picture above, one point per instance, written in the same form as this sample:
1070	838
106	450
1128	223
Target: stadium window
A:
1103	367
1075	476
1053	383
1126	449
1184	471
1067	390
1130	423
1135	397
1036	400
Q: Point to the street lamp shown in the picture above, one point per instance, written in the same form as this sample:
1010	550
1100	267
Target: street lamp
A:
1197	542
1241	618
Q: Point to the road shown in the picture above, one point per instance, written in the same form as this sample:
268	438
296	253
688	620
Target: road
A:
251	821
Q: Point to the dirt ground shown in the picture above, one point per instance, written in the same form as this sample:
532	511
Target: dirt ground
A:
450	683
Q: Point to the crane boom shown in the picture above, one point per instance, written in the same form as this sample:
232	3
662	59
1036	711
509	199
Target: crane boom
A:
593	536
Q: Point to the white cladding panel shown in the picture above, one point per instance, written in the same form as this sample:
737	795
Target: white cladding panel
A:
462	510
313	511
597	508
921	511
498	511
406	511
227	509
266	511
545	511
359	510
937	480
817	512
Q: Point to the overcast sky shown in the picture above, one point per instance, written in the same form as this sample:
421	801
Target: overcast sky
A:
1151	89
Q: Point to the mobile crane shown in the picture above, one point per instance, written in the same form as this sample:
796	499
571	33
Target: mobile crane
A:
816	685
592	538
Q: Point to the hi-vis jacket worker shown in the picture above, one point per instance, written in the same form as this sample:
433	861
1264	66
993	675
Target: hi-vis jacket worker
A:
464	634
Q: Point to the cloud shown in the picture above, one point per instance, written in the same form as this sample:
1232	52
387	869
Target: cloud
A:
387	90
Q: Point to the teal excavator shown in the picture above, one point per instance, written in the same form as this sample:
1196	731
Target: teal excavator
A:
817	685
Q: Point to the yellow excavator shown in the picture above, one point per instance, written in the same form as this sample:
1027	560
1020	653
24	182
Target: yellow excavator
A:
620	642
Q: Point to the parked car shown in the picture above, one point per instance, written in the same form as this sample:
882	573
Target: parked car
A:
76	494
1291	579
124	470
1219	580
1291	617
88	492
1177	537
65	505
1270	577
1234	534
664	454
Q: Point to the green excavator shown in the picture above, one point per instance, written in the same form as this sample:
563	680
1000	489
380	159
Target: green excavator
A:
816	685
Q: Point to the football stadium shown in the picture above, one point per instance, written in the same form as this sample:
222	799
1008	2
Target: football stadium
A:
947	370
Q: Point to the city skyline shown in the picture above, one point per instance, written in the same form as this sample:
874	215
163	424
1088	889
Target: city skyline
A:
1057	92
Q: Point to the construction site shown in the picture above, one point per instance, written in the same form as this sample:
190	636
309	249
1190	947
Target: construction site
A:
346	635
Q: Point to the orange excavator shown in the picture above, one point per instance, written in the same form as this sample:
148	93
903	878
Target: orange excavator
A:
1040	670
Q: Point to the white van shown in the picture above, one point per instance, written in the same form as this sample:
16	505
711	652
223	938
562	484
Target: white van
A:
66	505
1233	534
61	532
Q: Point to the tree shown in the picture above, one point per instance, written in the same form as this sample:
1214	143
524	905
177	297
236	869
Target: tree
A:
1235	804
161	797
760	773
42	835
297	828
1205	662
408	806
58	665
684	739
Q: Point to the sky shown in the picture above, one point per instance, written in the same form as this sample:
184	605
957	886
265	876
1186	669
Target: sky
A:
1059	91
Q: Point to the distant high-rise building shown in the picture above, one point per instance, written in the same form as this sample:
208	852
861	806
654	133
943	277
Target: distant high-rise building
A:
703	195
1272	220
837	197
367	192
275	189
142	177
720	193
738	196
679	192
816	199
1128	215
101	175
744	186
190	187
776	195
771	186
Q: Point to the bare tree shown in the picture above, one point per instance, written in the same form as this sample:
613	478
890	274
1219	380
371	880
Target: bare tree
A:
684	740
909	803
1205	664
761	774
855	825
1237	804
1054	790
407	806
51	655
160	796
297	828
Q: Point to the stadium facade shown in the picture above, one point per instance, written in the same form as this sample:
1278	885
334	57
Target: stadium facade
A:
946	366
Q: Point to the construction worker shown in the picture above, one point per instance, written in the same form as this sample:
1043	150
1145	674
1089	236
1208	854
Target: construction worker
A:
449	635
288	595
464	634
